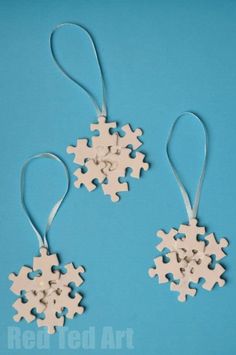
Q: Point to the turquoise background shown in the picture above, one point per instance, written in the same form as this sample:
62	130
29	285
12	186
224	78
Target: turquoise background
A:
160	58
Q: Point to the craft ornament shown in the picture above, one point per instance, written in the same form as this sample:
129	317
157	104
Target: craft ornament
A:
110	154
48	292
41	287
108	158
190	259
192	255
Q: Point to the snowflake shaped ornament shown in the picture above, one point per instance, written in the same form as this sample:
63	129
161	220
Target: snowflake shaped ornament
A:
108	158
49	292
192	256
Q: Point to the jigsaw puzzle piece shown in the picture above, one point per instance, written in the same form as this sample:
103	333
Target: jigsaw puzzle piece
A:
95	171
168	240
162	269
215	248
45	263
114	186
24	309
130	137
183	288
72	275
51	320
71	303
81	151
190	242
105	138
21	282
211	276
121	160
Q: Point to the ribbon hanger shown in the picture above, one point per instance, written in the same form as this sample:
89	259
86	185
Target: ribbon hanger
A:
42	238
100	111
191	210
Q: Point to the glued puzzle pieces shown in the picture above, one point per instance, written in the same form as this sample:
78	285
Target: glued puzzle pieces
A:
190	259
47	293
108	158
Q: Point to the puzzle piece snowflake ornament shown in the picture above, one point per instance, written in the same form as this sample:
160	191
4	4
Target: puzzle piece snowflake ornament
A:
110	154
108	158
189	259
42	288
48	292
192	255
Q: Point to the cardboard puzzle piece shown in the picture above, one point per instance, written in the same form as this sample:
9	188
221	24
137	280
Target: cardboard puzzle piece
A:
105	138
72	304
114	186
108	156
72	274
162	269
95	171
21	282
211	276
190	241
81	151
121	160
192	259
168	240
130	137
51	319
183	288
48	292
24	309
45	263
215	248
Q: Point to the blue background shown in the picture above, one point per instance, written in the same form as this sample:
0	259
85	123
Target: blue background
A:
160	58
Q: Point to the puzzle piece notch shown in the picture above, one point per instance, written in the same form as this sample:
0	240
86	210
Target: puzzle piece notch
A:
162	269
168	240
215	248
95	171
24	309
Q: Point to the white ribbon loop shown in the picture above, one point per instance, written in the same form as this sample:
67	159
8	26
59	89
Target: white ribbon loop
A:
191	210
103	110
42	239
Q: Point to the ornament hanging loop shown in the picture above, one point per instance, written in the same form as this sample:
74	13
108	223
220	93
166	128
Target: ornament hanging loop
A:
42	238
100	111
191	209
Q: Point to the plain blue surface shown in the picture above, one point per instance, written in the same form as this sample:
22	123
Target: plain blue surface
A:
160	58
